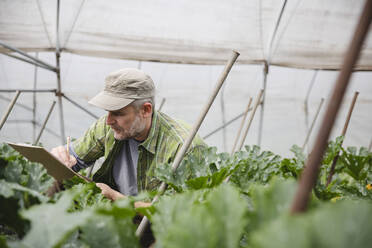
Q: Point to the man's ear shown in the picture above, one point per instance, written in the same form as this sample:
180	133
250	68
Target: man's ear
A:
147	109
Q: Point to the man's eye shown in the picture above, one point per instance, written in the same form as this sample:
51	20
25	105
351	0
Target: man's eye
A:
119	114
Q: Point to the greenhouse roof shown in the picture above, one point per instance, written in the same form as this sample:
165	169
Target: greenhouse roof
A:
303	34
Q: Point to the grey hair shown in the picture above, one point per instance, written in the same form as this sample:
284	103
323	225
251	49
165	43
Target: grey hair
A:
138	103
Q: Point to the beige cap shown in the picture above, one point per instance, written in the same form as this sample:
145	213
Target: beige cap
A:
122	88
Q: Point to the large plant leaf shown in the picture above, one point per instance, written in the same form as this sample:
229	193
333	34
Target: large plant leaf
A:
342	224
255	166
197	172
51	224
200	219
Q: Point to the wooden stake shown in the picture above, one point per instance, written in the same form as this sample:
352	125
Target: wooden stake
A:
10	107
179	156
332	171
250	119
241	125
44	124
311	171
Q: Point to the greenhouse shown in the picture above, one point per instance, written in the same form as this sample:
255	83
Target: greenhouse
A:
185	123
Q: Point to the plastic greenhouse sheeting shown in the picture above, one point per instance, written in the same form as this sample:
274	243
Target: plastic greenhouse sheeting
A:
98	37
311	34
186	89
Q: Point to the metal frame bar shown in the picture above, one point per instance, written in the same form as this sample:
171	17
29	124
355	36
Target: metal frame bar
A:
306	101
264	85
267	63
312	124
29	90
34	100
79	106
227	123
28	61
17	104
58	74
38	61
179	156
37	124
311	171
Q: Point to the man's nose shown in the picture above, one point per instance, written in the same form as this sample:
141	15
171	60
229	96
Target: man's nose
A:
109	120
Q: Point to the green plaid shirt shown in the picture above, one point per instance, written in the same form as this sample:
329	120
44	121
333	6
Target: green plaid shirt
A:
165	138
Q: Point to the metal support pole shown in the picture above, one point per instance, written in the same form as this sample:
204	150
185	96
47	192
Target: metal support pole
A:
265	72
306	102
311	171
227	123
44	124
28	90
223	118
34	102
10	107
241	125
332	171
258	100
179	156
81	107
312	124
37	124
29	61
17	104
38	61
161	104
58	73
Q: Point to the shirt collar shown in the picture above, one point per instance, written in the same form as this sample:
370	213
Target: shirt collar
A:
150	142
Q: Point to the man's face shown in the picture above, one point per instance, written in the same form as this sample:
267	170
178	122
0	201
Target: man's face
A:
126	123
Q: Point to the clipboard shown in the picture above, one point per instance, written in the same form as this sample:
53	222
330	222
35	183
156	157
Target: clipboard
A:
54	167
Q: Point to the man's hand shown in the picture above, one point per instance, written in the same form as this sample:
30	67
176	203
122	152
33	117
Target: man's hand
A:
60	152
109	192
114	195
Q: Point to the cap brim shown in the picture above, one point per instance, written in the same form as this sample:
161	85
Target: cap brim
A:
109	102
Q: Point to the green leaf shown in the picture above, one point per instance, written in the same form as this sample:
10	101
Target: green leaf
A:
357	164
197	172
268	202
3	242
255	166
111	226
341	224
333	149
73	241
200	219
51	224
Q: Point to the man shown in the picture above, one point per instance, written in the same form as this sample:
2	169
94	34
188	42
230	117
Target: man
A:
132	137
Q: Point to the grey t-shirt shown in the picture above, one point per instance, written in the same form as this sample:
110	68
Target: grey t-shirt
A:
124	168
